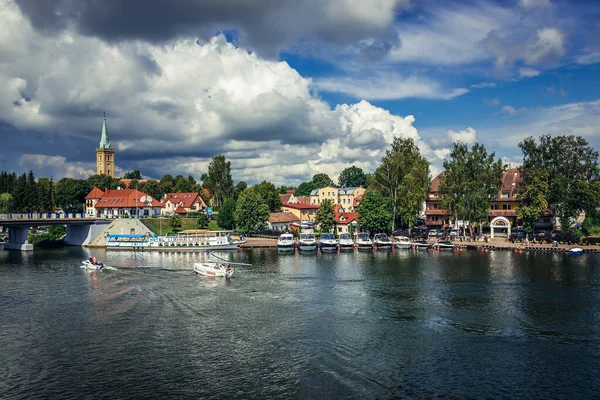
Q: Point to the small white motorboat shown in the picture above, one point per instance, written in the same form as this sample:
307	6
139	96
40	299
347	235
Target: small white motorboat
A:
402	242
445	245
286	242
307	242
576	250
89	264
381	241
219	267
363	242
421	245
328	242
346	242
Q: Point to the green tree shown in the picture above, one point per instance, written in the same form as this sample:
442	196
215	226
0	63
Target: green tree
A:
472	177
251	211
403	179
202	221
152	188
134	184
45	194
325	218
239	188
218	180
270	195
5	202
305	188
103	182
532	196
167	184
184	185
136	174
573	173
225	217
7	181
19	195
352	177
322	180
373	214
70	194
175	223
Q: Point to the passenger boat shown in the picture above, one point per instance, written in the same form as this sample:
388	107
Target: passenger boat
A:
328	242
421	245
346	242
402	242
381	241
286	242
197	240
307	242
363	242
445	245
216	267
89	264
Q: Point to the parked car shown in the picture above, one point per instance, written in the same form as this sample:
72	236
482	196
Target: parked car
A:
432	233
453	233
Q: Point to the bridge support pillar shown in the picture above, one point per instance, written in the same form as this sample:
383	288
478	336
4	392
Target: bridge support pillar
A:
82	235
18	239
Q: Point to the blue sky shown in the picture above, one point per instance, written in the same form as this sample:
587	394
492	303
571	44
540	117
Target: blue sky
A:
314	86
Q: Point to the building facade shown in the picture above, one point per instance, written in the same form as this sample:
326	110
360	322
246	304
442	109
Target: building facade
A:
119	203
182	203
306	212
105	154
435	216
345	197
283	221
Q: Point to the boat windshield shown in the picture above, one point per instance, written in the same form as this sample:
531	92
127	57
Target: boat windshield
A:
381	236
345	236
327	236
286	237
309	236
363	236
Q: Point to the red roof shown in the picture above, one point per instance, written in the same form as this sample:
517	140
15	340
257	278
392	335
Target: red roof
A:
180	210
356	200
303	199
337	207
185	200
95	194
301	206
348	217
282	217
434	187
126	198
207	192
285	198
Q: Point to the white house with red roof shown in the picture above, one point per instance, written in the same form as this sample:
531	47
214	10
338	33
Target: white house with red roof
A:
182	203
344	220
117	203
283	221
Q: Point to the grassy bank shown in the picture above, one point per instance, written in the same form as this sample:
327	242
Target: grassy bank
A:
161	227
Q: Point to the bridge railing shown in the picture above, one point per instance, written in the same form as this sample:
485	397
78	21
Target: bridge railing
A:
44	216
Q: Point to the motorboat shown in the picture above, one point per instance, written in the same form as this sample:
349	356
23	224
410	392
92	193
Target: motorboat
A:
346	242
90	264
444	245
286	242
381	241
216	267
307	242
421	245
363	242
576	250
402	242
328	242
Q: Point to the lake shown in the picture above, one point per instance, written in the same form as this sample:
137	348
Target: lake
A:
390	324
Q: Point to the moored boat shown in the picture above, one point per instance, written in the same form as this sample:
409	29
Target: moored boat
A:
206	240
216	267
328	242
421	245
346	243
381	241
445	245
286	242
402	242
363	242
576	250
307	242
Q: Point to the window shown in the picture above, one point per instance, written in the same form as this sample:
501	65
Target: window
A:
504	195
506	206
495	206
339	229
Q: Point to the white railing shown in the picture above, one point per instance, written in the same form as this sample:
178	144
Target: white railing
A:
44	216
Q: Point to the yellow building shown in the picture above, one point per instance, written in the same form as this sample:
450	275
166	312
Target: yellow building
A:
343	196
304	212
105	155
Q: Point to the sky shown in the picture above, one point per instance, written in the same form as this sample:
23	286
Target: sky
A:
288	89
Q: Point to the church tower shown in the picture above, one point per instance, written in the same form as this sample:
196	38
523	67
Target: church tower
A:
105	155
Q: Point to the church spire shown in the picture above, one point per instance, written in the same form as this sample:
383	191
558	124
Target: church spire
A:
104	142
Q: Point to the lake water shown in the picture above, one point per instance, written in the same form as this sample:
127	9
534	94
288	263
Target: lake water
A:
319	326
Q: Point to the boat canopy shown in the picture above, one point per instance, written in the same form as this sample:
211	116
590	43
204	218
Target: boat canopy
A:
327	236
363	235
307	236
114	236
286	236
345	236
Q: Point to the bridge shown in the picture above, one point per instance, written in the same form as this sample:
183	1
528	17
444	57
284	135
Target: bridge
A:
81	228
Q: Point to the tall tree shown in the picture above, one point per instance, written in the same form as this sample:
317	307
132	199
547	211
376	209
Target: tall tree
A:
322	180
403	179
352	177
533	190
45	195
573	173
239	188
373	214
472	177
5	202
270	195
167	184
305	188
19	195
7	181
31	195
70	194
218	180
225	217
251	211
152	188
103	182
325	218
135	174
184	185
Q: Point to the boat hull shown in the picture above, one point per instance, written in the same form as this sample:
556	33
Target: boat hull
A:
307	246
382	246
168	247
329	248
88	265
421	247
286	247
206	269
347	247
403	245
364	246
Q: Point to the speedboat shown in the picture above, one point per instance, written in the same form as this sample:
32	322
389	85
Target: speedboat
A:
402	242
286	242
421	245
89	264
363	242
381	241
217	267
328	242
576	250
445	245
307	242
346	242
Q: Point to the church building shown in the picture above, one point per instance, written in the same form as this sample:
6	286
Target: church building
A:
105	155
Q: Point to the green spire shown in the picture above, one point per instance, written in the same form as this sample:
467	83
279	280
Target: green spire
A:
104	142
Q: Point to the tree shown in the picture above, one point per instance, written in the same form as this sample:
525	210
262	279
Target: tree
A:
184	185
70	194
103	182
218	180
133	184
403	179
225	217
5	202
167	184
305	188
472	177
31	195
251	211
202	221
136	174
322	180
175	222
373	214
45	195
270	195
19	195
573	173
352	177
152	188
239	188
532	196
325	218
7	181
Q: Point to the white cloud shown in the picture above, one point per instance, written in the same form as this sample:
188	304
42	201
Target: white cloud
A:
526	72
484	85
588	56
56	166
465	136
510	110
550	45
535	3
